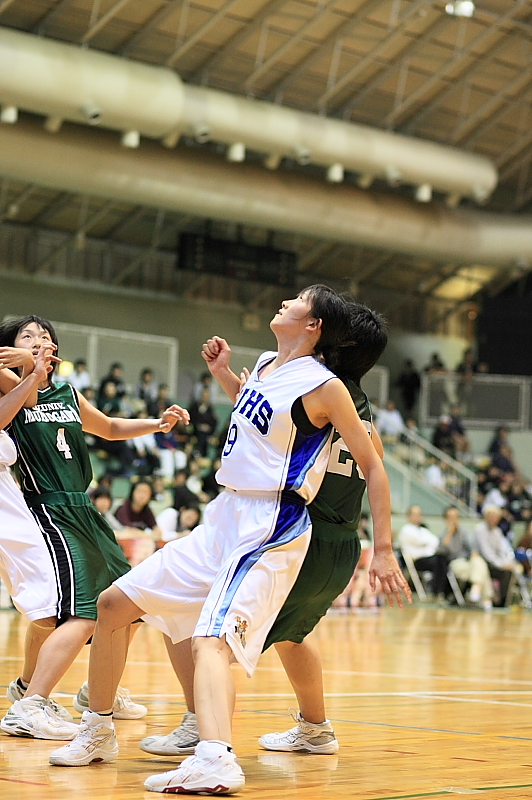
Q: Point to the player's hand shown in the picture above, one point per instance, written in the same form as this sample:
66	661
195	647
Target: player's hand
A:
171	416
43	361
217	353
385	568
244	377
12	357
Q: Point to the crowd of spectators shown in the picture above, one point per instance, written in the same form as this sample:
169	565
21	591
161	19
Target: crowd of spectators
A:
170	476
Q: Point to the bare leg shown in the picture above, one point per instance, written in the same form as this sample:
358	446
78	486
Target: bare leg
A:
214	687
302	664
183	663
37	633
109	647
57	654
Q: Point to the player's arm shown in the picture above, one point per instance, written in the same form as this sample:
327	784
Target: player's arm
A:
115	428
12	358
331	402
17	396
217	353
377	441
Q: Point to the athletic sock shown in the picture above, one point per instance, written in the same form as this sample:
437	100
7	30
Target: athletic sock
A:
102	713
220	745
21	683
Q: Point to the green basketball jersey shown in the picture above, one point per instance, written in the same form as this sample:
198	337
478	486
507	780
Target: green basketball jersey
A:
52	454
339	500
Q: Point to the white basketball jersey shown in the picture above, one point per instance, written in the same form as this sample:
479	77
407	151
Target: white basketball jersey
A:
264	451
8	451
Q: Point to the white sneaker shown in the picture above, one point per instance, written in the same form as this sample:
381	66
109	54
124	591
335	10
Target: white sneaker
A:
306	737
96	741
181	741
34	718
474	594
16	692
210	771
123	708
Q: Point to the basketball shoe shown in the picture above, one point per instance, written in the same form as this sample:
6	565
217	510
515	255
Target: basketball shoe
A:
123	708
16	691
96	741
306	737
181	741
213	770
34	718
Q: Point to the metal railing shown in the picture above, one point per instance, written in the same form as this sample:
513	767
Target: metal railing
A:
457	484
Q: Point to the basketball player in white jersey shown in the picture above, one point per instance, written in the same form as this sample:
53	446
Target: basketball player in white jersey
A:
235	570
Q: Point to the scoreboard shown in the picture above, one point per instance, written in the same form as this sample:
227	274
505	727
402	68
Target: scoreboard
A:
246	262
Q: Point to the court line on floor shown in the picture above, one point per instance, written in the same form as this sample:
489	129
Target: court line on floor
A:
439	792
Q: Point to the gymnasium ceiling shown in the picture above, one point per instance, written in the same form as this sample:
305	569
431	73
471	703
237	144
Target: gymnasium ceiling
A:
398	65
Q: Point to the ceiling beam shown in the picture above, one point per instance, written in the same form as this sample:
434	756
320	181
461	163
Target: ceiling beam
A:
459	57
97	26
231	45
152	24
50	17
214	19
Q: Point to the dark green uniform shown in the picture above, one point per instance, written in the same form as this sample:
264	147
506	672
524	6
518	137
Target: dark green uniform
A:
55	471
334	547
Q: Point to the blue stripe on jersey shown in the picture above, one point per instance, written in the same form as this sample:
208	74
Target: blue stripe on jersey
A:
292	520
304	453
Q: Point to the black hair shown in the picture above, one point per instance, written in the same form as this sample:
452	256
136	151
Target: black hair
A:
101	491
367	338
11	327
79	362
332	309
138	483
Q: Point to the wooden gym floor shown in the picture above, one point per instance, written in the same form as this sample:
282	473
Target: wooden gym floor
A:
425	702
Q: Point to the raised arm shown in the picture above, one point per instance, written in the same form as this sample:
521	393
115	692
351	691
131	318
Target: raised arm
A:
217	353
331	402
115	428
19	391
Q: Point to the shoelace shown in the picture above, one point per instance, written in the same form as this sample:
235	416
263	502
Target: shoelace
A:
55	707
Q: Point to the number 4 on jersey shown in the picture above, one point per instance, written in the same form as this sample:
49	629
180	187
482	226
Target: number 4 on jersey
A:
62	444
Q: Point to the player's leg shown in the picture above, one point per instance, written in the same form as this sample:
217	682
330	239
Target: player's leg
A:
183	739
37	633
214	688
313	732
96	740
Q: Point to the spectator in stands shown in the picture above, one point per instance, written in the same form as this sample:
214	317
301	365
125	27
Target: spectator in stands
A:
101	498
435	473
390	423
523	551
409	384
115	375
519	501
90	396
210	485
500	437
183	496
147	388
435	365
416	541
174	524
147	454
467	366
503	461
497	551
195	480
203	421
79	378
443	438
161	402
135	512
456	426
465	561
108	400
205	382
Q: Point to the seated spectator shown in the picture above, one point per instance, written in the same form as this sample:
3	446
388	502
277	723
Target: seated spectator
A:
422	546
205	382
435	365
147	456
456	426
157	407
519	501
497	551
409	384
136	513
171	453
183	496
435	474
115	375
523	551
79	378
108	400
90	396
101	498
390	423
194	480
443	438
465	560
203	421
146	388
503	461
210	485
175	524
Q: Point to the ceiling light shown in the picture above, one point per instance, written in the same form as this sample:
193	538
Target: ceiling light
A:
460	8
130	139
335	173
236	152
9	114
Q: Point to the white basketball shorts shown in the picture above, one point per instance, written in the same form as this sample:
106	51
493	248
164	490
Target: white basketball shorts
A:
229	577
25	563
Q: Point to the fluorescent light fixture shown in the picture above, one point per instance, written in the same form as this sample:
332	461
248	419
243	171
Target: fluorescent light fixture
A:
460	8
